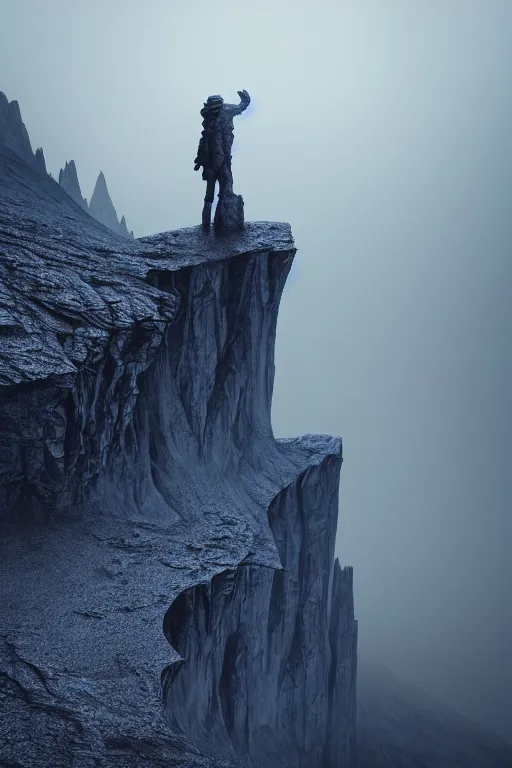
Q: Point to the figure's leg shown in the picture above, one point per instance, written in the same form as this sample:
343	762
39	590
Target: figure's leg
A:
225	179
208	200
210	190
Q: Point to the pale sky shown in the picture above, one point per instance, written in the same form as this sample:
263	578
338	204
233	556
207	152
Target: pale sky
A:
382	131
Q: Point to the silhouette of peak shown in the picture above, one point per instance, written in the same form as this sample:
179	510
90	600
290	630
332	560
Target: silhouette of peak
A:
14	135
103	210
68	180
40	162
101	196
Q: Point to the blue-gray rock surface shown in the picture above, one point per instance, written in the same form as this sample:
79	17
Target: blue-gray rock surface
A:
275	650
137	461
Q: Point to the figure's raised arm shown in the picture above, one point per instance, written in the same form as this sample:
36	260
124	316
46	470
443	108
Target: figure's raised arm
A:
237	109
245	100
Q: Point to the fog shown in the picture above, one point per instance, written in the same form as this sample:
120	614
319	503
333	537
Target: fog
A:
382	131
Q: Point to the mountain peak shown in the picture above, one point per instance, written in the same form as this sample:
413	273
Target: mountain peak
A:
14	135
40	162
103	210
68	180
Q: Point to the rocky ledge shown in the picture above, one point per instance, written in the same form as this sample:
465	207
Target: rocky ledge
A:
142	490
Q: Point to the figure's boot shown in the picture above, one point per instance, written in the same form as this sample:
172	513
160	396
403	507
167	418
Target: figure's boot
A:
207	215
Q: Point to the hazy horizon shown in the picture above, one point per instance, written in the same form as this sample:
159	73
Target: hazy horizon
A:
383	133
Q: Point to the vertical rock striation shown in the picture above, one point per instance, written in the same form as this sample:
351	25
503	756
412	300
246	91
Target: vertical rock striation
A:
268	675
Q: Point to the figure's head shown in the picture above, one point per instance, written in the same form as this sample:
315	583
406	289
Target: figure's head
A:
214	101
212	107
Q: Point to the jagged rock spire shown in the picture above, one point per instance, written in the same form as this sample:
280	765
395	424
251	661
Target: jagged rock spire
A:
103	210
68	180
124	228
14	135
101	206
40	162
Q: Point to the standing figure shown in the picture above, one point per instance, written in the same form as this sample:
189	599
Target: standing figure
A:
214	155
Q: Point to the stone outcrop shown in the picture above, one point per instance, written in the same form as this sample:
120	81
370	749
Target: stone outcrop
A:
14	135
137	461
229	213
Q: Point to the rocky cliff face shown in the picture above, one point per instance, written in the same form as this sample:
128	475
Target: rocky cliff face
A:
14	135
137	462
269	656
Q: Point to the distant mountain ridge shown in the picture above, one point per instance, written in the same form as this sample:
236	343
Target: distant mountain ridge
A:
101	206
14	136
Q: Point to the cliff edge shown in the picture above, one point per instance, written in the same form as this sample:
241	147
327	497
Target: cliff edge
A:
165	562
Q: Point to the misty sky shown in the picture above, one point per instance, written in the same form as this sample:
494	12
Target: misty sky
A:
382	131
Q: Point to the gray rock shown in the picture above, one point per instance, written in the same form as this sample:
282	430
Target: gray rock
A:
68	180
269	668
102	208
124	229
137	461
229	213
39	161
14	135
